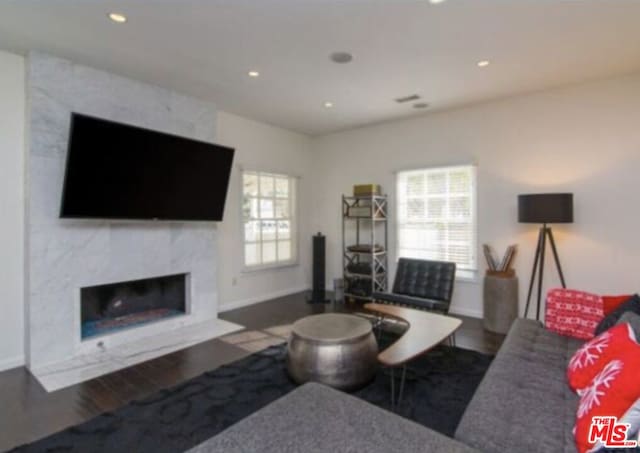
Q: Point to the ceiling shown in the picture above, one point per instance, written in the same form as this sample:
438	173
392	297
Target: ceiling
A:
206	48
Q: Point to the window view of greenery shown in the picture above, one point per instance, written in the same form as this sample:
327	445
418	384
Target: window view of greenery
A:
436	218
269	219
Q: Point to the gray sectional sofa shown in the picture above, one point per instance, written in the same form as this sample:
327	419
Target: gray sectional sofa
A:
522	405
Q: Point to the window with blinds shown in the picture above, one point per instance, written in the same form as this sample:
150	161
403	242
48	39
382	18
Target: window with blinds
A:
436	215
269	219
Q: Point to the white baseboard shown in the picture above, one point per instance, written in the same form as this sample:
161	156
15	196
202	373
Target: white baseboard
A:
261	298
11	362
466	312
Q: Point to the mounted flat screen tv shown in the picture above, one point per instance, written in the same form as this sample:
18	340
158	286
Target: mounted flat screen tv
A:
117	171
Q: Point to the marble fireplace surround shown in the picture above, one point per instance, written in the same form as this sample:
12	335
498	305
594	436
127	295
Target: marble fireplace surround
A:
63	256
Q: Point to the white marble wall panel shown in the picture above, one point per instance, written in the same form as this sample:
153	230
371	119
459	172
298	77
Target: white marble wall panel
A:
65	255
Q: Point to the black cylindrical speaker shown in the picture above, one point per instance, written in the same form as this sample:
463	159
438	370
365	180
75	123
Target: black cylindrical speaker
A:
319	244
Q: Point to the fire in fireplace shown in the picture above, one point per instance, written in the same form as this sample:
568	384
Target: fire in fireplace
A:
116	306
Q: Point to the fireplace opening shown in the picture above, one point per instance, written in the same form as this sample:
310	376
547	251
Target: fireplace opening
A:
116	306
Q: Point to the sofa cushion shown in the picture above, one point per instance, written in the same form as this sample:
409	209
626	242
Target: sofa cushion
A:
633	320
523	403
610	303
633	305
314	418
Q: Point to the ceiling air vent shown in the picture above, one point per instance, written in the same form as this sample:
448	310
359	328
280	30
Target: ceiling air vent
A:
412	97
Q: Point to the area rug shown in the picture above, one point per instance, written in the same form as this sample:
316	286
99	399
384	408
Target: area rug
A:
441	385
257	340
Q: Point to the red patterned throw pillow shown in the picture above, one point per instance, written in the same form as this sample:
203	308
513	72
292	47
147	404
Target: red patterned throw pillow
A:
573	313
614	391
592	356
610	303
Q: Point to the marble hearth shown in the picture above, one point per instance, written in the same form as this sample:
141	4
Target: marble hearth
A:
109	359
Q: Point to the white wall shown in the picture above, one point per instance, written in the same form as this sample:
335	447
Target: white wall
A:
267	148
12	156
583	139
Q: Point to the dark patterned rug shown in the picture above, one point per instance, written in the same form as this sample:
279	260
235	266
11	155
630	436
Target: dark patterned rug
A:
440	386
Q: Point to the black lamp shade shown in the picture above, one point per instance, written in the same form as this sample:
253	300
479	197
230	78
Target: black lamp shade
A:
545	208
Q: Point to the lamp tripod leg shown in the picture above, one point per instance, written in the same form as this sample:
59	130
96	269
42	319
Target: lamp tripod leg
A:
555	256
533	273
543	245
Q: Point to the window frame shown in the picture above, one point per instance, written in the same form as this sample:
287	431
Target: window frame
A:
293	219
468	275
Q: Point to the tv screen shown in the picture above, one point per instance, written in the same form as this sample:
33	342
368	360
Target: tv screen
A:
117	171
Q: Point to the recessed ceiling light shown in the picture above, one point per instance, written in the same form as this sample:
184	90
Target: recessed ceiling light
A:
254	74
483	63
341	57
117	17
435	2
328	104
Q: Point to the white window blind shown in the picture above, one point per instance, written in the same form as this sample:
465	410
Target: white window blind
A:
436	215
269	219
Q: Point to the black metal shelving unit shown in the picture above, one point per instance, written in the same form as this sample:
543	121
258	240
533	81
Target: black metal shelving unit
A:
365	256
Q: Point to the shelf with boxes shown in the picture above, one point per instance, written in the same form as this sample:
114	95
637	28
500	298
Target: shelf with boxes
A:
364	242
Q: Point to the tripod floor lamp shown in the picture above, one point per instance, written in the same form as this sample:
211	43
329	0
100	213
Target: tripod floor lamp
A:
544	208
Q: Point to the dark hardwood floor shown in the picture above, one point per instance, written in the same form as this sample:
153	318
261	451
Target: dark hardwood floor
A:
28	412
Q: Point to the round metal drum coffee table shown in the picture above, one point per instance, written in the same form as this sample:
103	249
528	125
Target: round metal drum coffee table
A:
334	349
